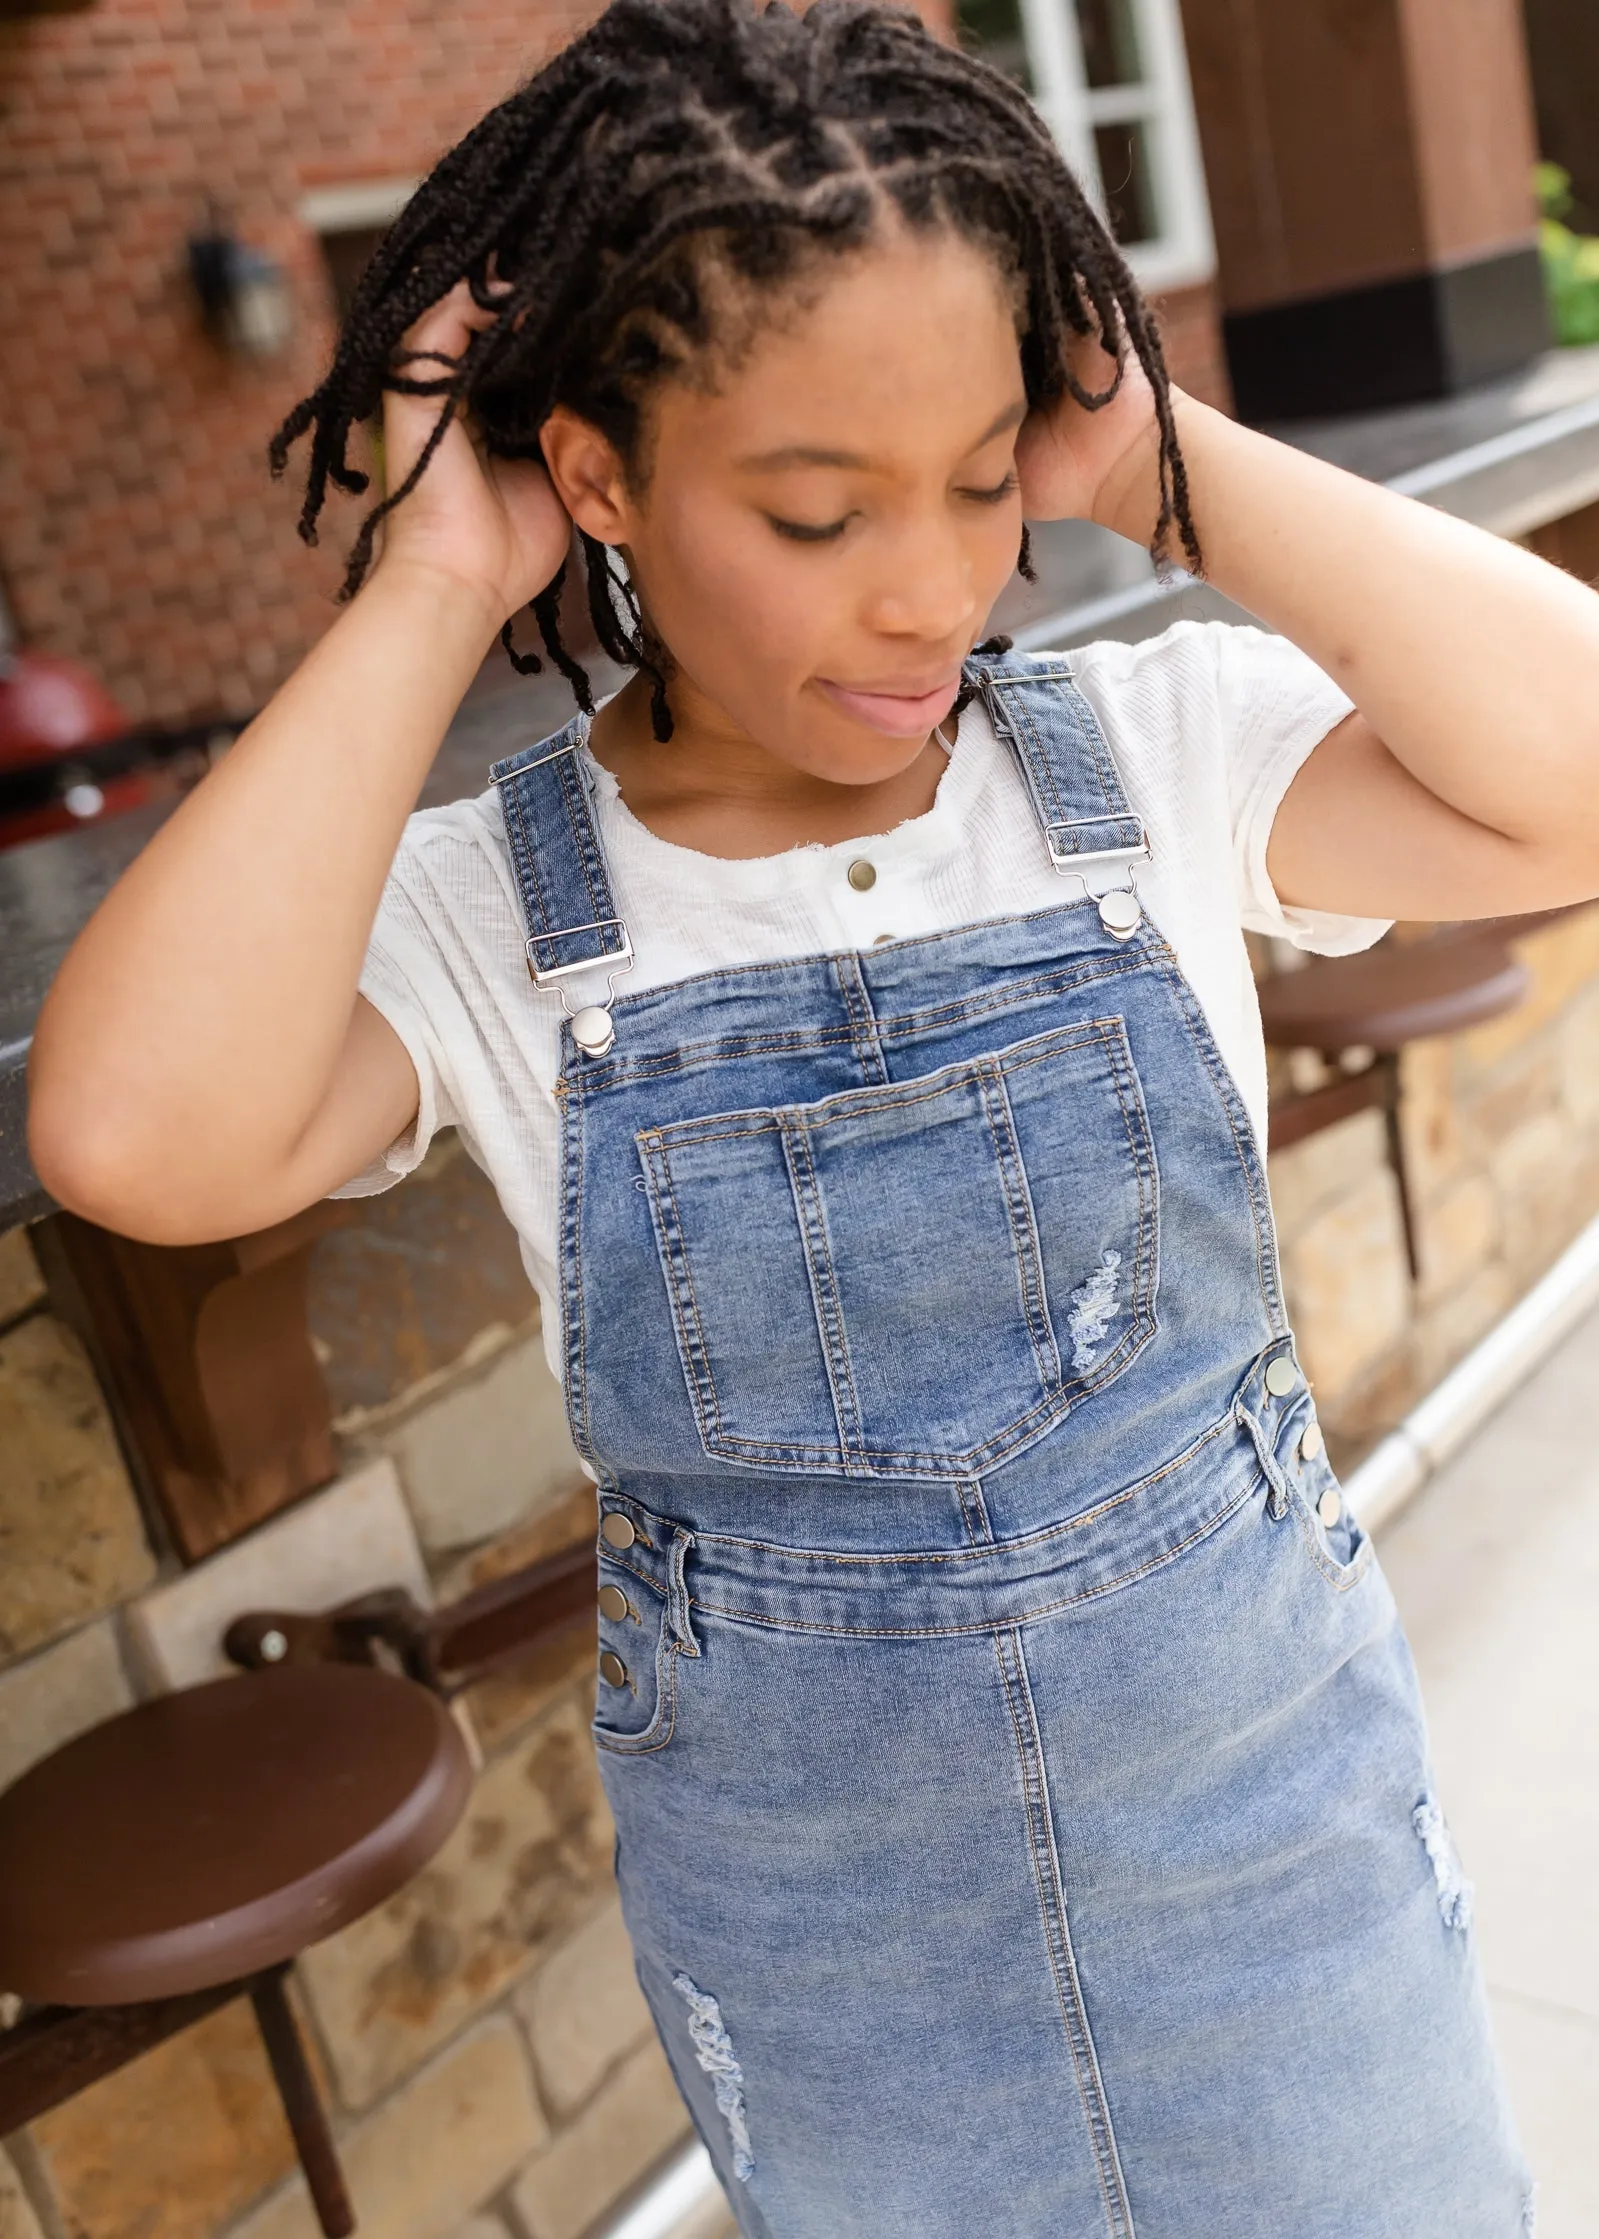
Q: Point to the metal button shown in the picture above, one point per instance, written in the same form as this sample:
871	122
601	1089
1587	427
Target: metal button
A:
879	938
1120	913
593	1030
1281	1377
613	1602
617	1530
1312	1442
862	875
612	1669
1330	1507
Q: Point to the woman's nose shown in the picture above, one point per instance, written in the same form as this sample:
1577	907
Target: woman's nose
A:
927	591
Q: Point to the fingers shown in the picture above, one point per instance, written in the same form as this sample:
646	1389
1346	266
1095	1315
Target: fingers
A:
446	327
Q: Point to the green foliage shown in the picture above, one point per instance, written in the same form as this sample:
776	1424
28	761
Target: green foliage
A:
1570	260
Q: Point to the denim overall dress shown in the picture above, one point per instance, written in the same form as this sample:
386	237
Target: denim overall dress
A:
1024	1818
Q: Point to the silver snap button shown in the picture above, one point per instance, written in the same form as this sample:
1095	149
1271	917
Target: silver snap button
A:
1312	1442
862	875
618	1530
1281	1377
593	1030
612	1669
1120	912
613	1603
1329	1508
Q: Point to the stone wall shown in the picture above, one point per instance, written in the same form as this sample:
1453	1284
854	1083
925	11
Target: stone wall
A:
1501	1131
481	2038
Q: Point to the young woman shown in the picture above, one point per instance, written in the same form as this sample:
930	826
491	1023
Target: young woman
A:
1025	1818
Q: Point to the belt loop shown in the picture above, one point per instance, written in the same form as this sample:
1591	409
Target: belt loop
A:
677	1593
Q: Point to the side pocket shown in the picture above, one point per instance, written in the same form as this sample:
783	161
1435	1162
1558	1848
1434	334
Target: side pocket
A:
643	1632
1306	1489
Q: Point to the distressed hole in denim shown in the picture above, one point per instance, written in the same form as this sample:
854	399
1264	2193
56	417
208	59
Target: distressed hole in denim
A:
1455	1892
1094	1307
713	2049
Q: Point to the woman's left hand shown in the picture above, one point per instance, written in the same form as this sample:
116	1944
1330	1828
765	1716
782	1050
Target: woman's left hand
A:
1101	465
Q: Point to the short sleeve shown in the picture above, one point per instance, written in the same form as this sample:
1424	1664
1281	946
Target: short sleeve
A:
1276	706
412	978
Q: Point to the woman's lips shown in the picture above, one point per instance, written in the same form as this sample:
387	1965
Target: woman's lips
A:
901	715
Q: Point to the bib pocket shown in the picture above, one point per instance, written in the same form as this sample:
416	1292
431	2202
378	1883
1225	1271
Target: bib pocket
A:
912	1279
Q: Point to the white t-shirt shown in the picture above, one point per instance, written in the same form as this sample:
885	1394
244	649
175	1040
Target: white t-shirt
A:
1208	724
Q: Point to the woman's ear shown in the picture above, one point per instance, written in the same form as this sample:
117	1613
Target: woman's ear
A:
588	477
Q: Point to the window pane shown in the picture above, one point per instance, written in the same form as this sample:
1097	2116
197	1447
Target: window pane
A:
1123	152
1110	42
993	29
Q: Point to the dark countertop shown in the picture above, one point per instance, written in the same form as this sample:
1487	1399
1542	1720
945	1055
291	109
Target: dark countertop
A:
1509	456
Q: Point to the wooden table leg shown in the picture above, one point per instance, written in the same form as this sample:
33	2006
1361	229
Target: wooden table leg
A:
302	2103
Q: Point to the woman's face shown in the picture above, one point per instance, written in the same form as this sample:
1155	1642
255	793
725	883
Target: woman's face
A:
821	534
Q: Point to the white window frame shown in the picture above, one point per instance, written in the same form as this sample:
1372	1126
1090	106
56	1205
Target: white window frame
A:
1183	253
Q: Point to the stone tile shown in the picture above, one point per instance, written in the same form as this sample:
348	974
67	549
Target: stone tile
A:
529	1861
423	1276
71	1539
1459	1231
597	2159
1562	959
175	2144
583	2010
350	1538
1428	1116
486	1455
17	2219
508	1703
1348	1287
420	2164
1317	1172
1579	1060
60	1692
1551	2061
21	1284
1459	1319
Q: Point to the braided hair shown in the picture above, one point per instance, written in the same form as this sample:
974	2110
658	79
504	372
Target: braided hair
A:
677	159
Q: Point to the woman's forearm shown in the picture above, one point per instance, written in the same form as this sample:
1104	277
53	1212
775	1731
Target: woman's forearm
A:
1475	663
196	1026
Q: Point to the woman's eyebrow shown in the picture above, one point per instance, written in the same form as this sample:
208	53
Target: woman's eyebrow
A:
808	454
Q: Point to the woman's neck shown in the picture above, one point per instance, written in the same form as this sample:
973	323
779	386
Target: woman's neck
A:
713	788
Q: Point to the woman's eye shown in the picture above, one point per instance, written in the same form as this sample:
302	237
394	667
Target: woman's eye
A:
804	532
998	494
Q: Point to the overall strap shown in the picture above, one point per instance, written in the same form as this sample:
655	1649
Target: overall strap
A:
555	849
1076	789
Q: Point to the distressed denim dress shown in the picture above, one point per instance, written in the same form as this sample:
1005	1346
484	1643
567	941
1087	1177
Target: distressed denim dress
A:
1025	1824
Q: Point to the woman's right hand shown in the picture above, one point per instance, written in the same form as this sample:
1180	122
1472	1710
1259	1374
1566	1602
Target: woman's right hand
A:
493	525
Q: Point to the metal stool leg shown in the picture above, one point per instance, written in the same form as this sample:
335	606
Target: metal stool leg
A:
302	2104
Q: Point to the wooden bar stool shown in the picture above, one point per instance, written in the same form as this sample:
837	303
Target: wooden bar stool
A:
183	1854
1396	993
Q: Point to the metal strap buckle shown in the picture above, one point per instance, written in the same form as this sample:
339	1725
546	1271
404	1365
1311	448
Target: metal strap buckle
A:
1078	859
617	958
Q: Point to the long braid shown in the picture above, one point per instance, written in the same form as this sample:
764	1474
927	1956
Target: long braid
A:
672	142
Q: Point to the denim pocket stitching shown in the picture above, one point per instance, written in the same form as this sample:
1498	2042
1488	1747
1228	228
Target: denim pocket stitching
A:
662	1724
794	1125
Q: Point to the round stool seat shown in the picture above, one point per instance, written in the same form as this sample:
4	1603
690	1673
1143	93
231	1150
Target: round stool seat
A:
214	1832
1391	995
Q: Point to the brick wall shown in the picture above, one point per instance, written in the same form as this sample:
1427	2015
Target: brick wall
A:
139	531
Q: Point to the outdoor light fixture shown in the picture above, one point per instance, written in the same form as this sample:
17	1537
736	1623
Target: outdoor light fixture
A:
245	298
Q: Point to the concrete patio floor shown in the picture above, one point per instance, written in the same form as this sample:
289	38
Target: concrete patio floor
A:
1496	1571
